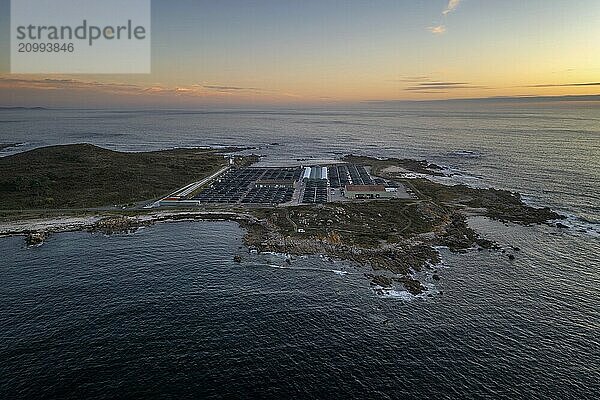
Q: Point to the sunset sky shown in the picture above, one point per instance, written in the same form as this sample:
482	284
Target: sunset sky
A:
230	52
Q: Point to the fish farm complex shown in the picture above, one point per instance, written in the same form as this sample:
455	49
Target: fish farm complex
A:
287	185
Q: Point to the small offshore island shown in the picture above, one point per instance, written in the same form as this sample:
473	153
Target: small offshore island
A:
381	213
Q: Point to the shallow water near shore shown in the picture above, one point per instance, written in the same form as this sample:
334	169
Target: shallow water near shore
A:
167	311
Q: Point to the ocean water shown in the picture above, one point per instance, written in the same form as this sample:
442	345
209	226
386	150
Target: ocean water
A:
165	312
551	154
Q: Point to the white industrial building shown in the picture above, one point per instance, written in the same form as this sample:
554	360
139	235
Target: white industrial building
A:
315	173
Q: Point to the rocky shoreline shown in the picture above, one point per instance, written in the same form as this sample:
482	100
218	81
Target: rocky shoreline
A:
399	259
391	263
4	146
395	238
37	231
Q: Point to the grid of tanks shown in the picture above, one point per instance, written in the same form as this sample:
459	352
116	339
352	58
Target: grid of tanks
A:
315	185
315	191
348	174
254	185
239	185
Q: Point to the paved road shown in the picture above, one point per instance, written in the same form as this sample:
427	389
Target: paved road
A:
192	187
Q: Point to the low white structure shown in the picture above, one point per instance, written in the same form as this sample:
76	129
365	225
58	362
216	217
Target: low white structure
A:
368	192
315	172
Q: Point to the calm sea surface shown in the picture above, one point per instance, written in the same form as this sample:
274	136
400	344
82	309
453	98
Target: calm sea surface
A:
165	312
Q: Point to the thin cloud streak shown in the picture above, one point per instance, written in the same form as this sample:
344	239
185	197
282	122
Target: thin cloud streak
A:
233	88
443	83
564	85
437	87
441	28
196	90
437	30
452	5
412	79
54	83
428	91
518	98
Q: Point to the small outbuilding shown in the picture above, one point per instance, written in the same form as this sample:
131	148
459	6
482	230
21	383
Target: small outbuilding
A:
367	192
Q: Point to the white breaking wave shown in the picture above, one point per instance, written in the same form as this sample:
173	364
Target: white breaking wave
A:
335	271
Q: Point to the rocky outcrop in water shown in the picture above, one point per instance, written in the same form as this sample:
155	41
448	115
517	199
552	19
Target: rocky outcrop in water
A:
400	258
36	238
7	145
418	166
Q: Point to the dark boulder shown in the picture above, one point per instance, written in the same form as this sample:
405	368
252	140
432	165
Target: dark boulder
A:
36	238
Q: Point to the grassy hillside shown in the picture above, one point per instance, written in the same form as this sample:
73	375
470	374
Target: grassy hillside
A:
79	176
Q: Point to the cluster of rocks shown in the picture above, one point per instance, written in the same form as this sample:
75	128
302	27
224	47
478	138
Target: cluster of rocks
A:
458	236
506	206
418	166
36	238
117	224
398	258
384	282
7	145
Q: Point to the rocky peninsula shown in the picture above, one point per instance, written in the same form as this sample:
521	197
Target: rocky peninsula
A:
392	238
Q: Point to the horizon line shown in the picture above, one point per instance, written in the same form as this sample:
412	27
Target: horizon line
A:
249	107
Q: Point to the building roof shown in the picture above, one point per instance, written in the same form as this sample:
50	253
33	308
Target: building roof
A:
317	172
365	188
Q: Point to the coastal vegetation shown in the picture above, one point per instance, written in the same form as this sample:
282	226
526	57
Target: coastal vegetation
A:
501	205
86	176
396	237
